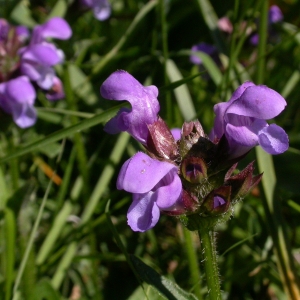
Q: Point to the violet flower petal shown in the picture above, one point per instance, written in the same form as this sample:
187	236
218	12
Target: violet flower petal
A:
22	33
54	28
43	75
143	213
218	201
141	173
221	108
273	139
259	102
176	132
240	90
24	115
17	97
241	135
101	9
117	124
45	54
219	124
167	196
144	104
275	14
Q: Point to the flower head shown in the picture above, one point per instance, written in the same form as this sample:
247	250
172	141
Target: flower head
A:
40	56
243	120
21	63
144	105
185	173
155	186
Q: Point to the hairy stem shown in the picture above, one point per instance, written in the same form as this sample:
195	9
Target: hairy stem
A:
210	262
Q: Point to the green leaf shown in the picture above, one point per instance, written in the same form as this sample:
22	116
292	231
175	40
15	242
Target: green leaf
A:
59	9
294	205
63	133
44	290
182	93
211	19
56	229
22	14
212	69
175	84
164	286
81	85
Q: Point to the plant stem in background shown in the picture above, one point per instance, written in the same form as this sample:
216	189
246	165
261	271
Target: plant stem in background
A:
195	276
272	207
164	36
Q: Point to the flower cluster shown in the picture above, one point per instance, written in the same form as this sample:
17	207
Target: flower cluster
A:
24	65
188	173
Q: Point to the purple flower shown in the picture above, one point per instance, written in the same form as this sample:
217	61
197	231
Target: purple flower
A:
242	120
120	85
275	16
101	8
56	28
39	57
22	33
176	132
17	98
37	63
206	48
155	186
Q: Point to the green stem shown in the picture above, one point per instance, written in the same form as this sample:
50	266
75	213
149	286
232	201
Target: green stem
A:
277	227
195	276
263	30
113	52
165	51
210	262
30	242
78	139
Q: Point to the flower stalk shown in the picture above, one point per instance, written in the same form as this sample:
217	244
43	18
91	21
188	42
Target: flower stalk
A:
209	258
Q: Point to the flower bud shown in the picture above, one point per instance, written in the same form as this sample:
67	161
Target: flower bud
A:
242	182
191	132
217	202
193	169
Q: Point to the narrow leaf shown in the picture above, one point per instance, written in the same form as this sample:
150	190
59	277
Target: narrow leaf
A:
166	287
182	94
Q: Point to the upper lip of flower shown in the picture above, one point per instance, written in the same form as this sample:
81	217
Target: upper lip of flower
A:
242	120
144	105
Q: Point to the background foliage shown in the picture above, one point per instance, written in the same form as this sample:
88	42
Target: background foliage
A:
64	235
